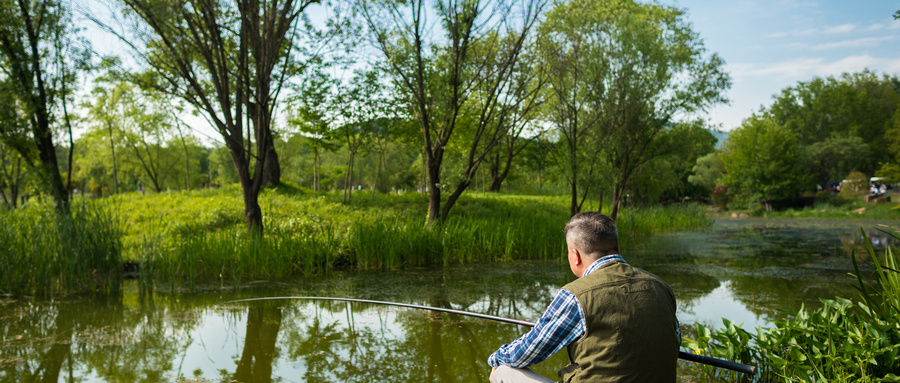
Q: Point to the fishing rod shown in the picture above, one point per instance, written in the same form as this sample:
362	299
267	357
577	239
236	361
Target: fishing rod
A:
715	362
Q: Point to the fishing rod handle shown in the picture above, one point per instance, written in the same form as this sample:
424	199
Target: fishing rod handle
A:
734	366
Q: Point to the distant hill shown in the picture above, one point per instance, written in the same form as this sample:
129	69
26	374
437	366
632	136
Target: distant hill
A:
720	135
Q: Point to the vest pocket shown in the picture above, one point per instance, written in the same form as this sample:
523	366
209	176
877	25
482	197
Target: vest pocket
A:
569	372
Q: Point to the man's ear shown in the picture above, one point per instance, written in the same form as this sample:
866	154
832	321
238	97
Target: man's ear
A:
577	255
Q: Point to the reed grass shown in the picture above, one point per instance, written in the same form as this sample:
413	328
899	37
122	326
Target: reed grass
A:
185	237
46	253
311	233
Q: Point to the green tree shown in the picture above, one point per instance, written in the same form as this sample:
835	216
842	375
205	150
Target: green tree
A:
762	162
569	45
842	119
310	115
646	66
38	63
460	74
365	110
108	113
675	153
228	60
707	171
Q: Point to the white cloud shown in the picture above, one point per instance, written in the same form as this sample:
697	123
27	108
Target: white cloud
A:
863	42
840	28
803	69
875	27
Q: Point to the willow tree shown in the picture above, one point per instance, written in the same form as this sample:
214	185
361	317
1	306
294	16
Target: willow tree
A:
647	68
463	73
227	59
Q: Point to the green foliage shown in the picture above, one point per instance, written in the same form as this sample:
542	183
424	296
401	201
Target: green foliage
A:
846	117
47	253
707	171
761	162
845	340
588	45
891	171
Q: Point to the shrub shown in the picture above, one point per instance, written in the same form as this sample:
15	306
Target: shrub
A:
855	186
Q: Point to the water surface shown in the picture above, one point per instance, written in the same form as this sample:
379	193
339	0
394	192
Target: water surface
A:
745	270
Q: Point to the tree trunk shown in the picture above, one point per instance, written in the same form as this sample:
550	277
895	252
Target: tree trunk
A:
573	207
616	201
250	187
271	167
40	120
348	179
497	181
600	203
494	168
316	170
377	172
434	194
187	159
112	148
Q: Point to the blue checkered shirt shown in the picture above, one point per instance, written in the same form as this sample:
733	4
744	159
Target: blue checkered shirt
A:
561	324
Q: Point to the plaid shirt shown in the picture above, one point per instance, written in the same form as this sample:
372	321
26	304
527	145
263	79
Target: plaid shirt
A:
561	324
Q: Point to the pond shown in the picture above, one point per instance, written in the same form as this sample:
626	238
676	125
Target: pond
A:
744	270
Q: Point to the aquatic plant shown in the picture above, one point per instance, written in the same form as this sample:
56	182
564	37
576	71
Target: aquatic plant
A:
845	340
45	253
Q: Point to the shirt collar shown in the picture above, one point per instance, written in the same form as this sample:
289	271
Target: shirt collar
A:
603	262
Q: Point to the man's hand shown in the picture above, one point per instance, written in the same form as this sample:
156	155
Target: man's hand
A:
491	378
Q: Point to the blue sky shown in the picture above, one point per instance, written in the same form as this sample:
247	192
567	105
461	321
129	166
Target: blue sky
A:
770	45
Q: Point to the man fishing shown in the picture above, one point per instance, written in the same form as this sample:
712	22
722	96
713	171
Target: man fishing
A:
617	321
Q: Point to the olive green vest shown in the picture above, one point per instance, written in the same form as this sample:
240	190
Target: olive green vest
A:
630	334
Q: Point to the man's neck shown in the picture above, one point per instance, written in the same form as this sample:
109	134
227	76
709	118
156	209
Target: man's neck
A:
602	261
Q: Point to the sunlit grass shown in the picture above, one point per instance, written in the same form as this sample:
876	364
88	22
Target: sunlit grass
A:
45	253
201	235
181	238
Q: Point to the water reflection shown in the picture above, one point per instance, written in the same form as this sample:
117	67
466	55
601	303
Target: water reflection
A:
745	271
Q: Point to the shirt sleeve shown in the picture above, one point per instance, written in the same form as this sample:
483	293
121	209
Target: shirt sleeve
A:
562	323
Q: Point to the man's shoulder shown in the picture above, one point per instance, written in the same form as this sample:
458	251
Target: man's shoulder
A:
612	274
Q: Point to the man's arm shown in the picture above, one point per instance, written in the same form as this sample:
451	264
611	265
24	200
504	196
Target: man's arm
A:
562	323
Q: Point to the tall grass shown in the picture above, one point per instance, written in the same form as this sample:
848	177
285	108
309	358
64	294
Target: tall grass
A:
45	253
654	219
308	233
846	340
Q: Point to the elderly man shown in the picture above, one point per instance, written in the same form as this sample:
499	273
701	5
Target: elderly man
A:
617	321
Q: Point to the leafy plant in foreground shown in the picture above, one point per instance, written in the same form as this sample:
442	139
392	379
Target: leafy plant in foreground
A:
843	341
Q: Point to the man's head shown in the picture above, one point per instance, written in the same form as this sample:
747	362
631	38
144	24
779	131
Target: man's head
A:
590	236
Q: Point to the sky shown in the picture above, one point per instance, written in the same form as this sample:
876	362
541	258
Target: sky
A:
769	45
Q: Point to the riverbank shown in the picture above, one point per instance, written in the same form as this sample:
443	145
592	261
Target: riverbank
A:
826	208
183	238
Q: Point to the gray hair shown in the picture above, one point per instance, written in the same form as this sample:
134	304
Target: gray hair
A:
593	234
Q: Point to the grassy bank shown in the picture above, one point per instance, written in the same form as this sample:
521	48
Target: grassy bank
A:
199	235
833	208
183	237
